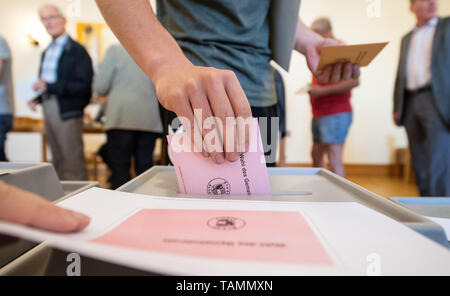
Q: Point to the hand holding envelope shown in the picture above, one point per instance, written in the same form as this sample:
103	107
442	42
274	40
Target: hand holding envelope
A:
362	54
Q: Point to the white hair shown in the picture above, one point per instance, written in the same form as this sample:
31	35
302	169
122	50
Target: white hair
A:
58	9
322	25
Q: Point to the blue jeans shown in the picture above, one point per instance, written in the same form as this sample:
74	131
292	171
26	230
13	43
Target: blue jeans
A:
332	129
6	124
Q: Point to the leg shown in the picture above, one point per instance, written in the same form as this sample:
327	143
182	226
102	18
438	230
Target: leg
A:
317	155
333	133
143	153
417	146
71	142
317	149
119	150
269	125
52	121
6	122
437	143
334	152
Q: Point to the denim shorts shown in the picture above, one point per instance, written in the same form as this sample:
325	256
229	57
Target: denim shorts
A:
332	129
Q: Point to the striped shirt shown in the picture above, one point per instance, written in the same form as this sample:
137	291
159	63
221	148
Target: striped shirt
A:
51	59
420	55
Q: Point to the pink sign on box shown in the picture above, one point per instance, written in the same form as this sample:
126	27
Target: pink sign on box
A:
265	236
197	174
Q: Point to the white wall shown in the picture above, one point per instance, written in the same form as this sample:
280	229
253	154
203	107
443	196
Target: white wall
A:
372	137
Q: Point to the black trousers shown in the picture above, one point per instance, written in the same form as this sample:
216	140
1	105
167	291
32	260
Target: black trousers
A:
268	122
269	127
429	141
6	124
121	146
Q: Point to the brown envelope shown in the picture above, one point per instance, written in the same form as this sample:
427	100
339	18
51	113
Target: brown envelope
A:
361	54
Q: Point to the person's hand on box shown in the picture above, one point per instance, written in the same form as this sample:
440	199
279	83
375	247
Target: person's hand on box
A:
21	207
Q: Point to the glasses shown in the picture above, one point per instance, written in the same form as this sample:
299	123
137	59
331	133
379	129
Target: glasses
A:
50	18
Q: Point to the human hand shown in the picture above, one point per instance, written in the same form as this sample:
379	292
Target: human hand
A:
32	104
331	73
185	89
396	118
21	207
40	85
314	92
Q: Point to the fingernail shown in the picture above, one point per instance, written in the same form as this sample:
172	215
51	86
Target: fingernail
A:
219	158
233	157
81	219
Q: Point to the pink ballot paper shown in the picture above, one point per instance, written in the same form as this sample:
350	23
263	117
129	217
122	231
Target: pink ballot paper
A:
267	236
199	175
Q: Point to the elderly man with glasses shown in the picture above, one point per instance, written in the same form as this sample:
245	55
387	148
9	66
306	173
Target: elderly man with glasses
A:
65	79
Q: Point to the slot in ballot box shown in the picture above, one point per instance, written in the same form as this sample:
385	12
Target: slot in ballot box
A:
427	206
288	184
41	179
436	209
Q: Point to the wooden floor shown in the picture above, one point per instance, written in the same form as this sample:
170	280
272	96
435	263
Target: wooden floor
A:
386	186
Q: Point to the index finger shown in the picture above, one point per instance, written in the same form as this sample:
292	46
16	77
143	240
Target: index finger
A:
242	111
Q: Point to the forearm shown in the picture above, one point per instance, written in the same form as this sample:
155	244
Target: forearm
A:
337	88
148	42
305	38
1	67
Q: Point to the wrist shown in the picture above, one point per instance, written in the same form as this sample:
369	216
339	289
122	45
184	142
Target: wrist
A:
310	41
160	65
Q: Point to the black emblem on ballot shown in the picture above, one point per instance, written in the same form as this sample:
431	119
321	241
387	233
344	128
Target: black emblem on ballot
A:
218	186
226	223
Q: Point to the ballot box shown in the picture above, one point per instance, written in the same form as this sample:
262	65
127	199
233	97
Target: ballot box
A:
41	179
427	206
299	185
434	208
296	185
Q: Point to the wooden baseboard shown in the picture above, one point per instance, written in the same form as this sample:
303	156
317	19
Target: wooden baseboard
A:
375	170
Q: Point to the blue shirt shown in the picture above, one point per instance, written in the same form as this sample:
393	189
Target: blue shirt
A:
6	84
50	63
226	34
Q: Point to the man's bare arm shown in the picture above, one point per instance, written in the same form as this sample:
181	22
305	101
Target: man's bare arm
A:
1	67
343	86
181	87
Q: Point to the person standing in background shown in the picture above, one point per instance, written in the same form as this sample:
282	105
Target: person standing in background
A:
6	95
332	112
422	97
65	80
133	121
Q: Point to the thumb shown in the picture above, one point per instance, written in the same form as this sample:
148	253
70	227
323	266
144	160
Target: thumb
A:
21	207
313	58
